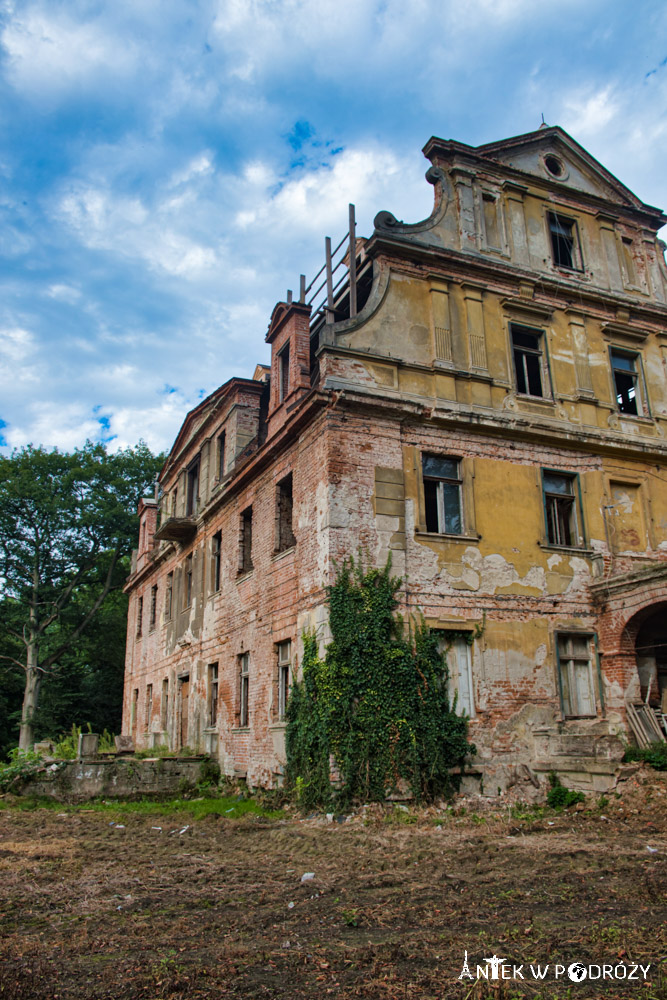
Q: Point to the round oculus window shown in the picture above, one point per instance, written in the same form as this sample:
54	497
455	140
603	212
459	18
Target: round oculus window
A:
554	166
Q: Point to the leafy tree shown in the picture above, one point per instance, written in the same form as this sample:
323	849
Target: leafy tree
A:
376	705
67	525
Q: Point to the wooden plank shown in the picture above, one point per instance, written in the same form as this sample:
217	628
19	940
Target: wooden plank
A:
635	725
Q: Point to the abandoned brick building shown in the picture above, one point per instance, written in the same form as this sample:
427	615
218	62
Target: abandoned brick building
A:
482	395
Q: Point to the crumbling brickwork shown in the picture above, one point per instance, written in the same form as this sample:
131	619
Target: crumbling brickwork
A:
492	416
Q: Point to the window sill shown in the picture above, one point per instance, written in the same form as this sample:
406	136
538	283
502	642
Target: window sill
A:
527	398
244	574
639	417
240	729
574	549
281	724
279	553
447	537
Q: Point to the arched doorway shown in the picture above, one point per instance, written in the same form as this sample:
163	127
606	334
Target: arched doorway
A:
651	657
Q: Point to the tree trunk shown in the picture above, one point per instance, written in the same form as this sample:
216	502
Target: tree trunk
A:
30	698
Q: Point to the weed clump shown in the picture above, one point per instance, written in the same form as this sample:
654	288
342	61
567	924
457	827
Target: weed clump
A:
655	755
560	797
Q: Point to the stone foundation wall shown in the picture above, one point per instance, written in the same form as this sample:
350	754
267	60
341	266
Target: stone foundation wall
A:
77	781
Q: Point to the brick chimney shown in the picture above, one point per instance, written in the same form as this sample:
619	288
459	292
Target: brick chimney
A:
289	336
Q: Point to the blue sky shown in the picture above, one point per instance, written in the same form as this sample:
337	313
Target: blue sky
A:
169	167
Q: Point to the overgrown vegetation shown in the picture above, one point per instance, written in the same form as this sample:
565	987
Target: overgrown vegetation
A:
376	706
560	797
21	766
655	755
66	747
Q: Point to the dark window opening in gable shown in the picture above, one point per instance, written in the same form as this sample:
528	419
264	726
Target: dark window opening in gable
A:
563	233
284	372
192	499
442	494
527	350
284	512
140	616
245	548
626	382
553	165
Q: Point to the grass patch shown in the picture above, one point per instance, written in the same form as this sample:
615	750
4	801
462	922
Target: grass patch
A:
231	807
655	755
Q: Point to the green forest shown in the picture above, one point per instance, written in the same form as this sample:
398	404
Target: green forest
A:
67	529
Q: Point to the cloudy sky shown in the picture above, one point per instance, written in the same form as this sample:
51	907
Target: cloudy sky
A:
169	167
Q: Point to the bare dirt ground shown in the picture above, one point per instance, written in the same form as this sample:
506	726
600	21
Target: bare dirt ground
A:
93	910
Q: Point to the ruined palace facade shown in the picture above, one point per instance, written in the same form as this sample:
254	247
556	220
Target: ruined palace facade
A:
482	397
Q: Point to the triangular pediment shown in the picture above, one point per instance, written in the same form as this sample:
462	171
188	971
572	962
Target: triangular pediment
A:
550	153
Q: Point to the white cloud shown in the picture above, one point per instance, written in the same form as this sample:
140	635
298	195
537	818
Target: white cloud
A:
125	226
50	50
64	293
16	345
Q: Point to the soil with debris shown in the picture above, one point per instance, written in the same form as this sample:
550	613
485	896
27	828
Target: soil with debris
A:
221	909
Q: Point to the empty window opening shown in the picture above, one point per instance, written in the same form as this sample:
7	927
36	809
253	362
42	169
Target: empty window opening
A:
284	512
245	547
153	614
192	499
576	676
174	502
148	715
560	509
140	616
553	165
528	360
217	560
169	597
284	670
626	382
212	694
221	455
164	706
244	688
187	582
564	242
284	372
442	494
